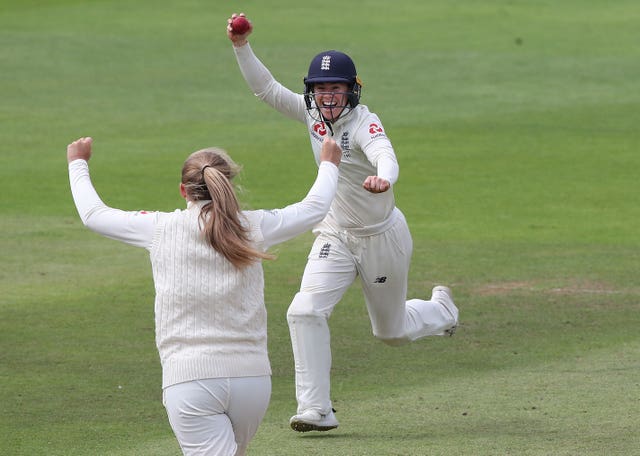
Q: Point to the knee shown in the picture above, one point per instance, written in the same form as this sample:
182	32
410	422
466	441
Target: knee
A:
394	341
302	307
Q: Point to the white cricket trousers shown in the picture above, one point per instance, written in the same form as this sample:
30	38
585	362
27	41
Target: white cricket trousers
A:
381	257
218	416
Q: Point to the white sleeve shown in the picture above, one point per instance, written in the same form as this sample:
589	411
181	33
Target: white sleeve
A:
134	228
378	149
280	225
264	86
388	167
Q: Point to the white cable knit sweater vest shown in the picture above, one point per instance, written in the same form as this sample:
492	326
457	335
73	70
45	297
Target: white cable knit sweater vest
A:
211	320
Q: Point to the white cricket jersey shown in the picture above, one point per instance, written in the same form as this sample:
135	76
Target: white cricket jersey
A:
366	148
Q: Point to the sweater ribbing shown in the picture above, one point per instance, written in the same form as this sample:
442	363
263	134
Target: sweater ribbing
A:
210	316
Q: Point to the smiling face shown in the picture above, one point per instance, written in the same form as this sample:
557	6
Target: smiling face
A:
331	98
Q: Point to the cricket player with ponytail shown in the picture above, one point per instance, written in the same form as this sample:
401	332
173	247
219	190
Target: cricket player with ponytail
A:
364	234
211	319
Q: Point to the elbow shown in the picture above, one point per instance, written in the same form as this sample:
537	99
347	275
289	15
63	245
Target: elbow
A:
319	214
84	218
324	212
88	222
263	90
317	219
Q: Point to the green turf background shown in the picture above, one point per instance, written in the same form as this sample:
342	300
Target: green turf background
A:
516	124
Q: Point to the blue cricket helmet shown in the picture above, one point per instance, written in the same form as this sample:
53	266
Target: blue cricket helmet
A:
333	66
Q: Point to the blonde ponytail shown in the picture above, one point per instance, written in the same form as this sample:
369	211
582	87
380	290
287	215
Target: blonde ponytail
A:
207	175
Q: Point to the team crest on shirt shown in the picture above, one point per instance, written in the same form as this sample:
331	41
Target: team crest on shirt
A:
344	145
325	250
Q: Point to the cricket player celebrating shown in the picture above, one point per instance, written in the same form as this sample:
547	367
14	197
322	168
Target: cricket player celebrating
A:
364	234
211	320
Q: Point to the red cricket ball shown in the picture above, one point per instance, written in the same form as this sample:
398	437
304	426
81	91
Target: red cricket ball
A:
240	25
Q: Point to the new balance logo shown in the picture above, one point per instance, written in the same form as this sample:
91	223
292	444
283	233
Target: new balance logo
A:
324	251
381	279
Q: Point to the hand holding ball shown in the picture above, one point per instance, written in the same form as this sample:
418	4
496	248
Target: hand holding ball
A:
238	29
240	25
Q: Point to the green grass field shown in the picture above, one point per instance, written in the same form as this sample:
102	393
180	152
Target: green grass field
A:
516	127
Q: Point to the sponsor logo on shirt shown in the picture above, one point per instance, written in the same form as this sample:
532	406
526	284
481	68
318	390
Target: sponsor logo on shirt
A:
376	130
320	129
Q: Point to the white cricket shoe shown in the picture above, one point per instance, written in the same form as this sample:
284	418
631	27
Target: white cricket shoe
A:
312	420
442	295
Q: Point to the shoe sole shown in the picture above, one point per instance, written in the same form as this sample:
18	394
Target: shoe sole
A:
301	426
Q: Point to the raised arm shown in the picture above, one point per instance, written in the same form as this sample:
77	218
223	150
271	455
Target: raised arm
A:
134	228
280	225
260	80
